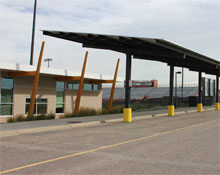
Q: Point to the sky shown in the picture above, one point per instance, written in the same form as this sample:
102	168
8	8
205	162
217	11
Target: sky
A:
194	24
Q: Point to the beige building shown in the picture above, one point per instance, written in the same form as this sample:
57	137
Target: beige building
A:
56	91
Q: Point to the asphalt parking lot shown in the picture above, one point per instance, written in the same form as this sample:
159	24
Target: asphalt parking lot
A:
185	144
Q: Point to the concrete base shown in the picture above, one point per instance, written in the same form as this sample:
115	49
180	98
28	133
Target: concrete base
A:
171	110
199	107
127	114
217	106
4	119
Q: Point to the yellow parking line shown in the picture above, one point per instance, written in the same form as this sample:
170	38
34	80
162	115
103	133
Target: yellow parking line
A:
102	148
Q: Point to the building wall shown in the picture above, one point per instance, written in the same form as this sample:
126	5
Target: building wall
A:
70	99
23	89
89	99
92	100
47	89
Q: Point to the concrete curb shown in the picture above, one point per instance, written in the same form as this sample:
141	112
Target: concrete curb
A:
77	125
45	129
209	109
190	111
142	117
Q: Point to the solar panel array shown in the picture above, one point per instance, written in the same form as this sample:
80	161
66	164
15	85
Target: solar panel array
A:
139	93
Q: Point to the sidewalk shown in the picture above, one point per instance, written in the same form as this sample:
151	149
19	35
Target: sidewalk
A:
8	129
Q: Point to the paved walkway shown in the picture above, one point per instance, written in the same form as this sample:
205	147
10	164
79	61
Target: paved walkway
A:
49	125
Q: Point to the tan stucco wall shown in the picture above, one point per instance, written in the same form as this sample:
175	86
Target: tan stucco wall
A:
23	89
89	99
92	100
70	99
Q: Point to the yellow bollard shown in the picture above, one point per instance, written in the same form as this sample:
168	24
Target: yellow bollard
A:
199	107
217	106
171	110
127	114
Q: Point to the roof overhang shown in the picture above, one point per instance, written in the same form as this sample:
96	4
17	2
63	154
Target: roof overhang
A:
58	78
144	48
18	70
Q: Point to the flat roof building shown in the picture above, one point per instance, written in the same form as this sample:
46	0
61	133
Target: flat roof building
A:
56	91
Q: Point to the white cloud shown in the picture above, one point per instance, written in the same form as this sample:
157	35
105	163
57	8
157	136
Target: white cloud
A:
194	24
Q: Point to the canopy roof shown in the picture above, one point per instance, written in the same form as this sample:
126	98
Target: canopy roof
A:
144	48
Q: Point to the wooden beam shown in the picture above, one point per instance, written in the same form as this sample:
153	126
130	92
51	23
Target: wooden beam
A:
79	94
21	74
113	87
36	80
68	78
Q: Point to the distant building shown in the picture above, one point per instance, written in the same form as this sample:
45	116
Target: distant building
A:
147	93
208	87
144	83
146	90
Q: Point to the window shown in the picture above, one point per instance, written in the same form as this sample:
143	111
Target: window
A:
86	86
76	86
40	106
60	97
69	86
73	86
6	96
95	87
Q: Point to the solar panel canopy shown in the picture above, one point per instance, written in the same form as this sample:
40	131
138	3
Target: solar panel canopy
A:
144	48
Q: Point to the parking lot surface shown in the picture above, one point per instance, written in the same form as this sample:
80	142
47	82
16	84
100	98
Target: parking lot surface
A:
184	144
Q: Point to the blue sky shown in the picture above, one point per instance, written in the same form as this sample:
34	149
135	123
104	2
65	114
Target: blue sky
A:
194	24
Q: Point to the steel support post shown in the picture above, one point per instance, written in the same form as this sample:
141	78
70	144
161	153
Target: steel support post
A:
199	105
171	84
171	106
217	92
127	109
127	81
175	90
182	84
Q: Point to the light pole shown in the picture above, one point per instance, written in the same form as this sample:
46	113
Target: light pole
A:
176	88
33	33
48	60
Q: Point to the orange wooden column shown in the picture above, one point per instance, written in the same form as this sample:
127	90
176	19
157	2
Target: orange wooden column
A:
113	87
36	80
79	94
